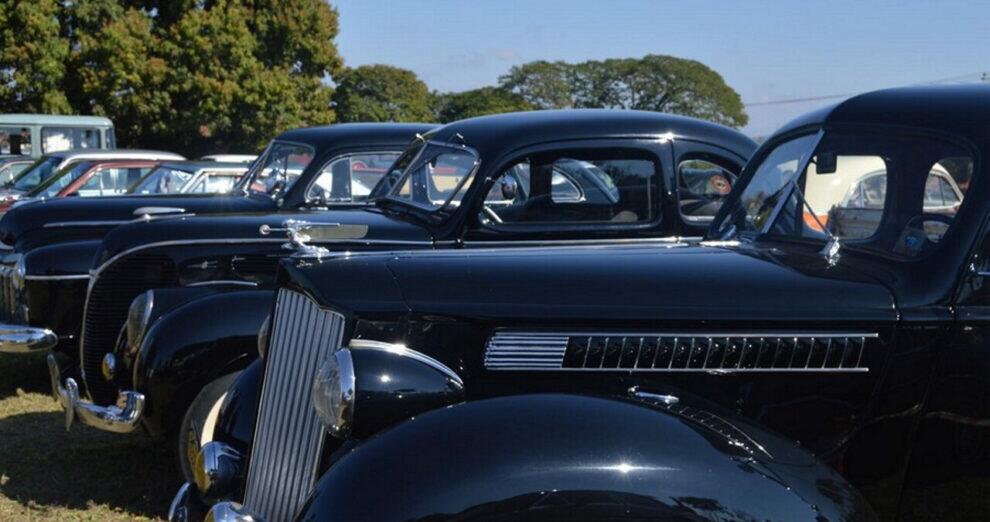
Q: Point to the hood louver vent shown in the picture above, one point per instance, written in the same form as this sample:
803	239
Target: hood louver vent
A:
703	352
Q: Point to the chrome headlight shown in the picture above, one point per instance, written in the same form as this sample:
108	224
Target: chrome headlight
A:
333	393
138	317
263	333
371	385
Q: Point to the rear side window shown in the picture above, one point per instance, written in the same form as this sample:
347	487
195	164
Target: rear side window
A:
15	140
575	187
702	187
350	178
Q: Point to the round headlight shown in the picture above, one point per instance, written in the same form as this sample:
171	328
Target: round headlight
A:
333	393
138	317
263	333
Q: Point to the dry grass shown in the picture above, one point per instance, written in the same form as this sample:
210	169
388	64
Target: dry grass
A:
47	473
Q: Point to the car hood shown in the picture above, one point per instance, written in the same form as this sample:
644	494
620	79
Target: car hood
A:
47	220
613	283
357	226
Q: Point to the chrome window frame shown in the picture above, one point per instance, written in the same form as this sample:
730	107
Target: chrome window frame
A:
417	162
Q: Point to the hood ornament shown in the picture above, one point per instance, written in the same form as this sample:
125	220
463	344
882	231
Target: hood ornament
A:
301	233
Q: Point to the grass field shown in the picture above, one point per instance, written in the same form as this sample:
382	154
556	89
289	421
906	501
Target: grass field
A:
47	473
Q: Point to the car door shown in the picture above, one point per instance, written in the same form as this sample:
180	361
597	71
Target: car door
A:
603	190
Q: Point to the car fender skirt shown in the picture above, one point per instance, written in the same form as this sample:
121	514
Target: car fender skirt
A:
567	457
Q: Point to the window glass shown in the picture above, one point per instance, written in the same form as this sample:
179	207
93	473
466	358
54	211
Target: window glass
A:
437	178
214	183
767	185
37	173
55	139
894	194
61	179
281	166
702	187
350	178
107	181
162	180
9	170
15	140
614	187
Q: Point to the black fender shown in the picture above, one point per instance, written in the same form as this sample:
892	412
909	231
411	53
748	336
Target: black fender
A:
55	289
193	343
569	457
238	413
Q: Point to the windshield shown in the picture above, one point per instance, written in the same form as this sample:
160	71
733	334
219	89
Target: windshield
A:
162	180
37	173
436	178
61	179
279	168
896	195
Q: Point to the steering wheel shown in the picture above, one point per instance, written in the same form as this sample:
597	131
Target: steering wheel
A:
914	239
491	214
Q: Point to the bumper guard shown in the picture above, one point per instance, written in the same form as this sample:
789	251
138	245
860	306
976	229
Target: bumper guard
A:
122	417
17	338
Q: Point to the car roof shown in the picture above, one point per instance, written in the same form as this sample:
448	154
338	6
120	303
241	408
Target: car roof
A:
193	166
110	154
961	110
510	131
53	119
344	135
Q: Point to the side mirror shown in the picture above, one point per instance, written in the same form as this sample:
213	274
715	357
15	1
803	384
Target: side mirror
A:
509	188
826	162
278	184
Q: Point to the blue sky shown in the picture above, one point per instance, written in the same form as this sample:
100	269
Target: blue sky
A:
768	50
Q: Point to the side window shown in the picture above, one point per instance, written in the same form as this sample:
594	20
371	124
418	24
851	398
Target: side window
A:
15	140
702	187
572	187
350	178
106	182
54	139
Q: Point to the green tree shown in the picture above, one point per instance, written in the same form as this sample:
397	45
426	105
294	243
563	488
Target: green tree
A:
544	84
33	57
477	102
654	83
381	93
188	75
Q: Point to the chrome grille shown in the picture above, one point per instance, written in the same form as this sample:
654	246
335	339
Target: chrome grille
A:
673	352
288	436
8	296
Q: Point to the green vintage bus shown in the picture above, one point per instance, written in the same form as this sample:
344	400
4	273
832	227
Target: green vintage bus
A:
37	134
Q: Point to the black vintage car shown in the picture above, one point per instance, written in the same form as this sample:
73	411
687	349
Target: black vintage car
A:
175	306
776	371
47	246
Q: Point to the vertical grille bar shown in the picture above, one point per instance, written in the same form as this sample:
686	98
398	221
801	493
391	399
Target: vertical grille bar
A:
289	437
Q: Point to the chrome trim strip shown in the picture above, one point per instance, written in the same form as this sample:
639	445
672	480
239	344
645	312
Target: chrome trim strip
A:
675	240
224	282
154	211
67	277
403	351
67	224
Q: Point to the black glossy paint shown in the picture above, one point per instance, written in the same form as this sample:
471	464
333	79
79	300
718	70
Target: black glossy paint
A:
195	344
216	240
569	457
910	434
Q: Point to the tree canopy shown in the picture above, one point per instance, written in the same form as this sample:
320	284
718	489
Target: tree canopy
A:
478	102
187	75
654	83
382	93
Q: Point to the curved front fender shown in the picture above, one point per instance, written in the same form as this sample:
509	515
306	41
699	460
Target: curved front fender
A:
567	457
193	344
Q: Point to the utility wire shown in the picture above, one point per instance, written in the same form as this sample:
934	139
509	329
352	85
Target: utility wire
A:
979	76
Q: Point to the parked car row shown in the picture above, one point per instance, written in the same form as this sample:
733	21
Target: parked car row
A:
548	315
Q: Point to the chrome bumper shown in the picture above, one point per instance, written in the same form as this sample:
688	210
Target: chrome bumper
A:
186	507
122	417
16	338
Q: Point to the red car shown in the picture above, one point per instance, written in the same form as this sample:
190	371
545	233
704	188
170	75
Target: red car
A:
89	179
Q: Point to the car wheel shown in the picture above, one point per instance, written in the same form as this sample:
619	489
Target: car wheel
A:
198	422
